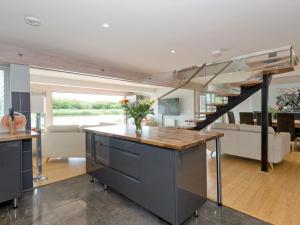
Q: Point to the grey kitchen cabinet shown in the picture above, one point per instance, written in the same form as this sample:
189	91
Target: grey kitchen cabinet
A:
10	170
27	173
15	169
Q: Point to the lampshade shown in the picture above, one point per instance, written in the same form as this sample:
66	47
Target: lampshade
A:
38	103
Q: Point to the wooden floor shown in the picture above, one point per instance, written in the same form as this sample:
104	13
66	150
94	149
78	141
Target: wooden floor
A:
60	169
273	197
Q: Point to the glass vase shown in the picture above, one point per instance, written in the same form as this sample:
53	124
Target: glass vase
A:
138	125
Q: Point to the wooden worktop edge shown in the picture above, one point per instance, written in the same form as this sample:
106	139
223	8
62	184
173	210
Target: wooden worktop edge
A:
18	136
163	144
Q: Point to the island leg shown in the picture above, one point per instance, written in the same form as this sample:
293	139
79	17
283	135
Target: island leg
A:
105	187
15	203
218	165
196	213
91	179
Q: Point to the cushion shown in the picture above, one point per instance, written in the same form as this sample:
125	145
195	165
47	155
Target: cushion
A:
106	124
63	128
225	126
255	128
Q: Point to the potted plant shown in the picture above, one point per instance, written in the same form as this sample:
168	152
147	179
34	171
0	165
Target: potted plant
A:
138	111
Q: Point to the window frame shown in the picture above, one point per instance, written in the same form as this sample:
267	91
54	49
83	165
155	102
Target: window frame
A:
7	94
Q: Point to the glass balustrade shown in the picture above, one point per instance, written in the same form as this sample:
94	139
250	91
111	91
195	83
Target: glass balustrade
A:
219	80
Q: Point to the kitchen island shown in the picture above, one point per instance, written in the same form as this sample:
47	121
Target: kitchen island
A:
161	169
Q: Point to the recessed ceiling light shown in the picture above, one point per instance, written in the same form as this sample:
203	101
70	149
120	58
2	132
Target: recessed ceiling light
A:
173	51
105	25
32	21
216	53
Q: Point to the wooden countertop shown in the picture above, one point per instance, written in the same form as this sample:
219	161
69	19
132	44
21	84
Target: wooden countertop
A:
18	136
173	138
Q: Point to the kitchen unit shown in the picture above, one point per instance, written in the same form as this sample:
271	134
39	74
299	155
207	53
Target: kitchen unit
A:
161	169
15	165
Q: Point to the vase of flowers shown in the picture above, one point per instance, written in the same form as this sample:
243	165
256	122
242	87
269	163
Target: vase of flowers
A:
273	110
138	111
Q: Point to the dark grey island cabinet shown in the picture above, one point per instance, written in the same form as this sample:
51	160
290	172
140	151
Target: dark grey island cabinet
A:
15	165
10	167
170	183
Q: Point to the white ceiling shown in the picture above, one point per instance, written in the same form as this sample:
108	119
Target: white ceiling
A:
142	32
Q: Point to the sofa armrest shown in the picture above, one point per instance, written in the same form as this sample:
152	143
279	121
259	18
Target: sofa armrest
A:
63	144
281	146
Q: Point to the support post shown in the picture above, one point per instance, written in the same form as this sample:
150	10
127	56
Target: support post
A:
39	159
196	102
264	121
218	167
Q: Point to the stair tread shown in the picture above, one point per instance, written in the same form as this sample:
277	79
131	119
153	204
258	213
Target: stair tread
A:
278	70
273	71
269	61
248	83
193	121
215	104
204	113
224	94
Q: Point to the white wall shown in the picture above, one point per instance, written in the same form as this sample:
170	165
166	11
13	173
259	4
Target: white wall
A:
186	105
19	78
245	106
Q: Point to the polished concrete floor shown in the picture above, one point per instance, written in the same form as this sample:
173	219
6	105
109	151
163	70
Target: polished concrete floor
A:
78	202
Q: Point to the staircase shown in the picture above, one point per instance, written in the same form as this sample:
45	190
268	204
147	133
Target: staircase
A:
233	81
232	100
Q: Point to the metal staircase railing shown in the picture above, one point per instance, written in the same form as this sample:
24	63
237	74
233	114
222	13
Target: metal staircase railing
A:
185	83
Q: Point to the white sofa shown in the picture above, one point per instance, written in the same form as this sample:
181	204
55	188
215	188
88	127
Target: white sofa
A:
65	141
245	141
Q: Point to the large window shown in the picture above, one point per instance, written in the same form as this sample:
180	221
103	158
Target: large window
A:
86	109
2	92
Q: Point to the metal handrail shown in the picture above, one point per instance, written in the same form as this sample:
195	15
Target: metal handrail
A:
185	83
216	74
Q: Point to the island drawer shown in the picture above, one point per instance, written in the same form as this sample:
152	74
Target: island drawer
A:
125	162
131	147
125	185
103	140
101	153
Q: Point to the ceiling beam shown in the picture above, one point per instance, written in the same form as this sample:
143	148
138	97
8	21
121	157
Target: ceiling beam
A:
43	88
43	59
47	80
